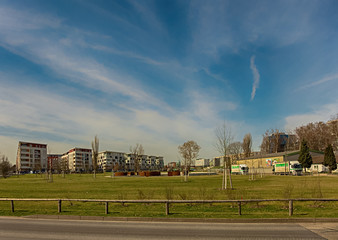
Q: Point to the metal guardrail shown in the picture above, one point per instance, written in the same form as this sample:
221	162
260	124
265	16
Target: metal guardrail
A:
168	202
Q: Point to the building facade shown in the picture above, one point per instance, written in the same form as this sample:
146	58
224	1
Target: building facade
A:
145	162
31	157
159	163
54	162
172	165
202	162
77	160
109	160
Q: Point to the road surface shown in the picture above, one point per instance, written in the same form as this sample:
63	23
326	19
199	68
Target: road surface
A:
22	228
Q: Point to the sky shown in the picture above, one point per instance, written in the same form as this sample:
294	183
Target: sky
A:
163	72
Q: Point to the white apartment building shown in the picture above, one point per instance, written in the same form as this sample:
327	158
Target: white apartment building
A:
109	160
154	163
129	162
151	163
202	162
145	162
216	162
77	160
159	163
31	157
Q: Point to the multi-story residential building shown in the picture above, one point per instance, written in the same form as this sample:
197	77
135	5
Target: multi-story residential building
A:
109	160
202	162
129	162
150	163
159	163
31	157
77	160
216	162
145	162
54	162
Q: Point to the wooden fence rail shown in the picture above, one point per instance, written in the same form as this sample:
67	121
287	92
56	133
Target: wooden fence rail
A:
168	202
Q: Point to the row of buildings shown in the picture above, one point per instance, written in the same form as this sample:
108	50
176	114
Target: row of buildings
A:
34	157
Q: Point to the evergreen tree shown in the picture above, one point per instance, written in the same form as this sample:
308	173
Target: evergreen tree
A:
330	158
5	167
305	157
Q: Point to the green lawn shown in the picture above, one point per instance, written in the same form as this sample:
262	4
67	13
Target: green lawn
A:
198	187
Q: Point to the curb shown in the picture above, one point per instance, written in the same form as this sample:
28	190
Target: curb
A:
202	220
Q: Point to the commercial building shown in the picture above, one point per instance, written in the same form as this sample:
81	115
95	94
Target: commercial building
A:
77	160
31	157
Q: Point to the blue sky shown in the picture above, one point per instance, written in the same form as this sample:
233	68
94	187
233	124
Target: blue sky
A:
160	73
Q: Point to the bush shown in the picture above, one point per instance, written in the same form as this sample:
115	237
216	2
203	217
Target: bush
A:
5	167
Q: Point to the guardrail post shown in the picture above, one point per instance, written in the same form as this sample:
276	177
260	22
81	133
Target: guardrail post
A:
167	208
290	208
239	208
59	206
12	205
107	207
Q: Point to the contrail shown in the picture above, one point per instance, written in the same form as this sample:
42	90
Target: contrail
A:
255	75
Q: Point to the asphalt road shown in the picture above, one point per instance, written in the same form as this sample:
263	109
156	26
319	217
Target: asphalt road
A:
19	228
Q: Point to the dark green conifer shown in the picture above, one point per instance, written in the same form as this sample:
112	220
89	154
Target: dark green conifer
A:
305	158
330	158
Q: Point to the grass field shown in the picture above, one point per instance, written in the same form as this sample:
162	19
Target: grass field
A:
198	187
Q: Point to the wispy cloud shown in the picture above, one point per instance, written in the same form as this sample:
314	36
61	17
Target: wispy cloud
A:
48	50
321	81
74	122
128	54
319	113
256	77
224	26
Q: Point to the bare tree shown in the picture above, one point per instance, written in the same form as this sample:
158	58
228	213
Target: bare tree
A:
271	141
318	135
247	145
58	165
291	142
50	166
64	166
189	151
95	153
266	143
223	140
137	151
5	166
333	125
235	149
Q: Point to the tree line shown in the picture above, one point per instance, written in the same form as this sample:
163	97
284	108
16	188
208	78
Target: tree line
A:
315	136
